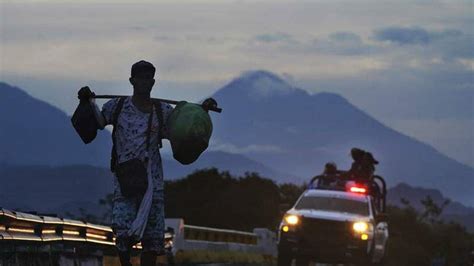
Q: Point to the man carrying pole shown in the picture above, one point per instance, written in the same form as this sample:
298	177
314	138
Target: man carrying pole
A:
140	123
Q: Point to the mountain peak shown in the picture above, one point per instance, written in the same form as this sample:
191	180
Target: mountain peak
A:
261	74
260	83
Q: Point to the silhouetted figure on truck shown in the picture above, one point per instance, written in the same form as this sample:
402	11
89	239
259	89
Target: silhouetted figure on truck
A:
329	178
363	167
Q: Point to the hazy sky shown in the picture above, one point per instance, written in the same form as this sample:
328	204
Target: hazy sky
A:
409	64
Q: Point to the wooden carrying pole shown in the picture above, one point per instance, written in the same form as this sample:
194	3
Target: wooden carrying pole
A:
215	109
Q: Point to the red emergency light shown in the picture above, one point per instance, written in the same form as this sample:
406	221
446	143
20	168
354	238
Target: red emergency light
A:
358	189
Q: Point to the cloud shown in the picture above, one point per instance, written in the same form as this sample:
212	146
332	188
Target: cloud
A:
467	63
413	35
344	43
403	35
456	46
345	37
339	43
274	37
252	148
428	46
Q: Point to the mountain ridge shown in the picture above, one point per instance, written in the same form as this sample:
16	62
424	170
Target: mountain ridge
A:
284	131
82	186
310	130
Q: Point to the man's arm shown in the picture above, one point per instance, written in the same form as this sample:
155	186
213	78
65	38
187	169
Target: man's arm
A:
167	110
85	94
98	115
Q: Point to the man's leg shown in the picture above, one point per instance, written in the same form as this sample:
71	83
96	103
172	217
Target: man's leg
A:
153	237
148	258
124	257
123	213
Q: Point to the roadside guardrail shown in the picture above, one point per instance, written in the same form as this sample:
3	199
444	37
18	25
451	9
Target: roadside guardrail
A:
192	232
19	226
25	227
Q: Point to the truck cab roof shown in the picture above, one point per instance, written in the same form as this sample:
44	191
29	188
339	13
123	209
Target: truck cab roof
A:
333	205
336	194
374	189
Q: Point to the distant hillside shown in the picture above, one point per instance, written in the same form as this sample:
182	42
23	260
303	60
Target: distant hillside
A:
33	132
294	132
66	188
236	164
48	189
415	194
454	211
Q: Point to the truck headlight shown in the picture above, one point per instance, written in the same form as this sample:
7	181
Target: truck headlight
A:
360	227
292	219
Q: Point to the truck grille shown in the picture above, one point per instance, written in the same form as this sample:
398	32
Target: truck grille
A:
325	232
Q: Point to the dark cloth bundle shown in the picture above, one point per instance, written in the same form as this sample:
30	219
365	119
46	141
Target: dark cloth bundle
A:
84	121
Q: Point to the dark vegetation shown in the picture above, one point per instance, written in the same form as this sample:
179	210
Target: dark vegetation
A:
217	199
422	238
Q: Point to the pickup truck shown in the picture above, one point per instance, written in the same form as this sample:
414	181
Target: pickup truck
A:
345	223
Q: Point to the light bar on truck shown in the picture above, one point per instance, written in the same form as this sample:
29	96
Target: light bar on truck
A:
354	187
357	189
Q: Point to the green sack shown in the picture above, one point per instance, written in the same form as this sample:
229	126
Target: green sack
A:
190	129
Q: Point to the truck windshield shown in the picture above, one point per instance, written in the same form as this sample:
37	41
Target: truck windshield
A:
333	204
